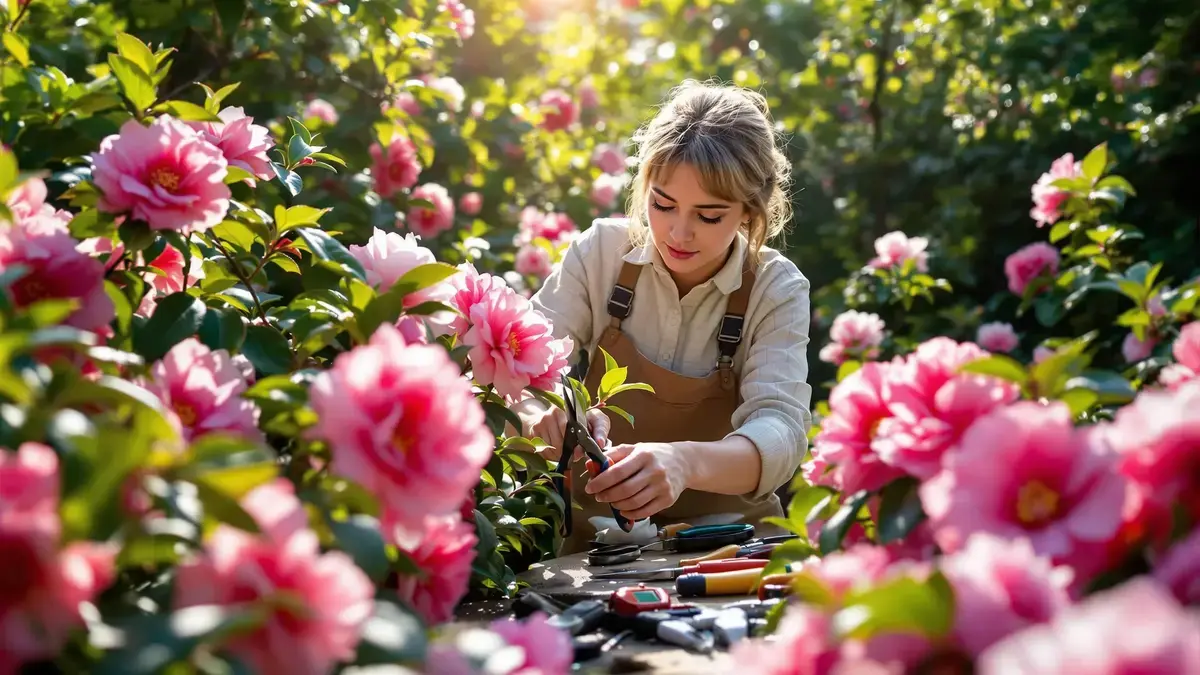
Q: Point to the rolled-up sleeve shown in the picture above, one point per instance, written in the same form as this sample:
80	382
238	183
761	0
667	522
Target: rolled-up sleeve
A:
776	396
563	297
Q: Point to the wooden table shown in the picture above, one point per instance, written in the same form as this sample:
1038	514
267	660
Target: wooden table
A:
571	576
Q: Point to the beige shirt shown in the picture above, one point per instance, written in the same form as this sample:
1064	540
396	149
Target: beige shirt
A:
680	334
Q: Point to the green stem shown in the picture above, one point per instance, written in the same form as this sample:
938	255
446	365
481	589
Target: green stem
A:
241	275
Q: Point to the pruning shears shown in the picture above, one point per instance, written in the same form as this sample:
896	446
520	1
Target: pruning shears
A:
578	434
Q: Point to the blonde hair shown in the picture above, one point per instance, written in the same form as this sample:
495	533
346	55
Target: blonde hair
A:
726	134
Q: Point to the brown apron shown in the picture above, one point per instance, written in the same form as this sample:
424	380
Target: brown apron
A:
681	408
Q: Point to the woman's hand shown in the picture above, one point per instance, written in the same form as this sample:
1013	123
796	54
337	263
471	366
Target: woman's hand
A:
643	479
550	425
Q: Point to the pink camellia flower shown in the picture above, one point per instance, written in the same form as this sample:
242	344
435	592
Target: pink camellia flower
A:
609	158
1134	350
534	260
605	190
1001	587
1186	351
1041	353
893	249
856	566
1029	264
470	203
1098	637
548	649
243	143
932	403
511	342
462	19
402	422
202	391
588	96
444	552
55	270
426	222
805	644
166	174
856	335
403	101
560	351
1157	439
31	213
1047	199
1179	569
172	280
556	228
470	289
396	168
322	110
316	604
997	336
834	353
857	408
559	110
1024	471
42	586
449	88
386	257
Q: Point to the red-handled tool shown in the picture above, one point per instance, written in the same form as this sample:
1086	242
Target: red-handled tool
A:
706	567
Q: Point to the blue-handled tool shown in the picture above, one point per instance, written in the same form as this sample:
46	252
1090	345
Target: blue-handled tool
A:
577	433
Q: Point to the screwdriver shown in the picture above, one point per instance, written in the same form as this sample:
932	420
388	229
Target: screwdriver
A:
754	547
699	568
737	582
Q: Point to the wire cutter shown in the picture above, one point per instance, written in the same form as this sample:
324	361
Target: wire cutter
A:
577	433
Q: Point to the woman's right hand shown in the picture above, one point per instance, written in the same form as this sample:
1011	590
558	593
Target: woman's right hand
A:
550	425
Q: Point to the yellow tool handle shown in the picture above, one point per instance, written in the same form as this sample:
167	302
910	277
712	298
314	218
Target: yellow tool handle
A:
723	553
672	530
736	582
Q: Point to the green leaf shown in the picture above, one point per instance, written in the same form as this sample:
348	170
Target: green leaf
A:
135	84
1096	162
9	171
148	644
630	386
899	510
998	365
230	14
609	362
136	52
611	380
176	318
424	276
360	536
790	551
18	46
236	233
1062	229
619	411
838	525
326	247
1079	400
296	216
392	635
222	329
902	605
152	550
1116	183
847	369
136	235
289	179
219	505
185	111
268	350
1110	388
238	479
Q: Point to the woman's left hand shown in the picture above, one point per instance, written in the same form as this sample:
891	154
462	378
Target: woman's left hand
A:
643	479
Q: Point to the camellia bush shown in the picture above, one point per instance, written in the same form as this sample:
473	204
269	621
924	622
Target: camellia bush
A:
258	389
976	506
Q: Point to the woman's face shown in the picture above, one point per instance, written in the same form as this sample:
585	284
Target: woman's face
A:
691	229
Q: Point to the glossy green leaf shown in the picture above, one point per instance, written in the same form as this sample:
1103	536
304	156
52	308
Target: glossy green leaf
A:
998	365
901	605
838	525
268	350
361	537
176	317
135	84
326	247
899	510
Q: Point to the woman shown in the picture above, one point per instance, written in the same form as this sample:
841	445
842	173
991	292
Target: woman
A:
684	294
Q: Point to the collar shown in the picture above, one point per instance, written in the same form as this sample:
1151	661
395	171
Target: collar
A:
727	279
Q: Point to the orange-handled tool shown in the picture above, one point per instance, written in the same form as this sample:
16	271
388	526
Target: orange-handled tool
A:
723	553
671	530
770	584
737	582
706	567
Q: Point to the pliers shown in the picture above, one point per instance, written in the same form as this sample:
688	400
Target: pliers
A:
577	433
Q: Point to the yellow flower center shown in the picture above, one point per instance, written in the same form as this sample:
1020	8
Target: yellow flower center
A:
401	440
1036	503
186	413
874	428
514	344
165	178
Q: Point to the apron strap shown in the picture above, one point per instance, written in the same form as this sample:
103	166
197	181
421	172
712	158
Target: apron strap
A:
730	334
620	300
